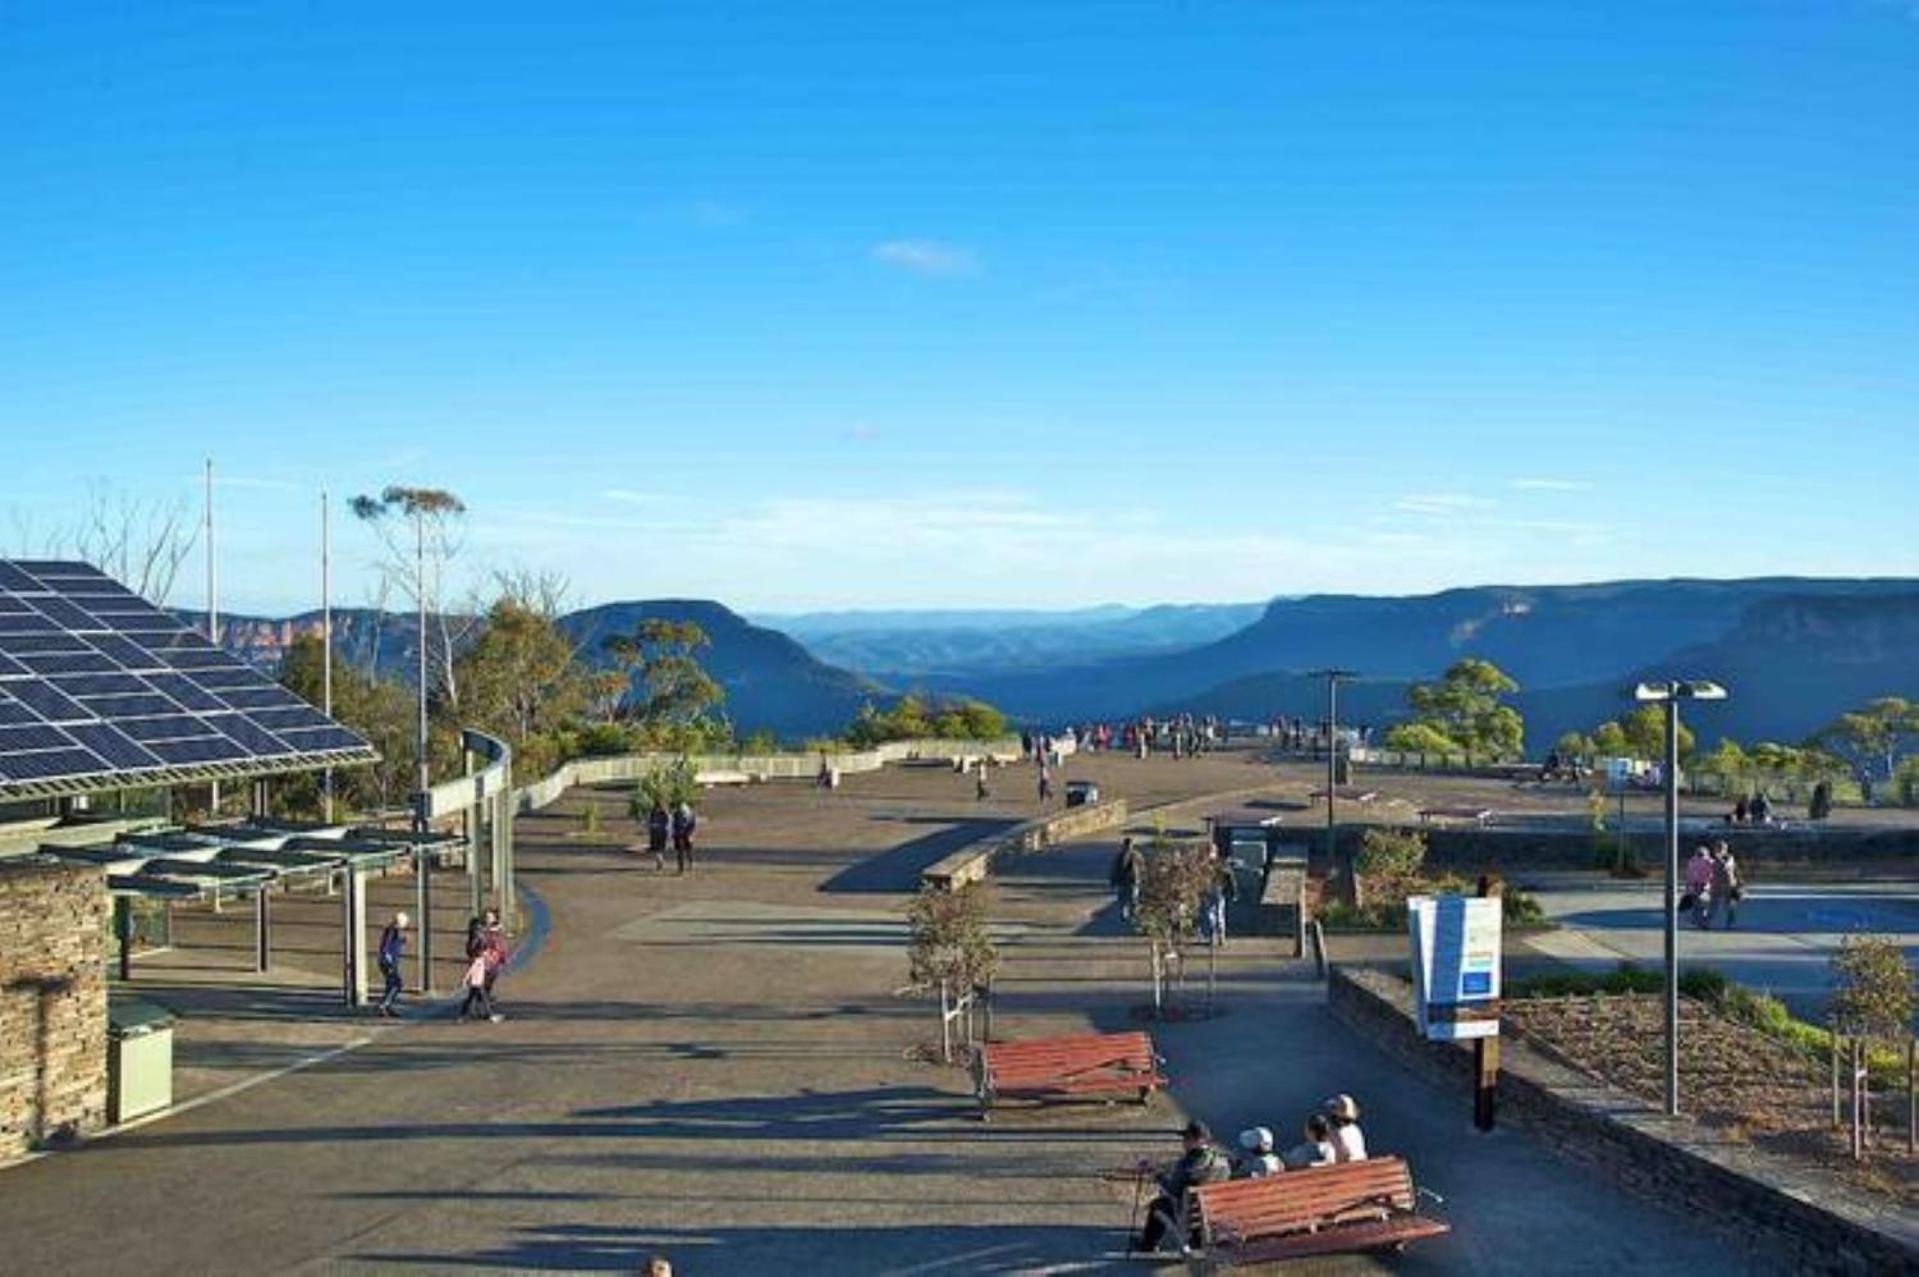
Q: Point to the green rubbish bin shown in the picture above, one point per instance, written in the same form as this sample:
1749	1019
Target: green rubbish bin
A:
139	1059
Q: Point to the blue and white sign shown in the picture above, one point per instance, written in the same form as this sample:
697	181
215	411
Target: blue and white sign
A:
1456	958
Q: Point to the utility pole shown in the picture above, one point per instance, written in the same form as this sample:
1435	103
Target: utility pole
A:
326	645
213	600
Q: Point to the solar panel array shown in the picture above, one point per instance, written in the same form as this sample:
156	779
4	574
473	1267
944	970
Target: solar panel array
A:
98	687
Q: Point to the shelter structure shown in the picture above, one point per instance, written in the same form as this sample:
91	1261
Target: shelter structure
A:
101	691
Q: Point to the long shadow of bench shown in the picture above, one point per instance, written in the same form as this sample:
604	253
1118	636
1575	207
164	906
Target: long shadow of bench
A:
899	870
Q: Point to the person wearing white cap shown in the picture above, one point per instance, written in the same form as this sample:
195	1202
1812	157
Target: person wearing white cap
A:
1349	1142
1257	1159
392	949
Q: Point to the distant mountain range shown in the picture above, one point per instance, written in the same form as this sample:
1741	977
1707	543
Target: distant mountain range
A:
1794	651
1802	647
771	682
901	647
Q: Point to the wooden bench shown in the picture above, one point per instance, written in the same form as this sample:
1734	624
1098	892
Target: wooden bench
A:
1091	1064
1323	1210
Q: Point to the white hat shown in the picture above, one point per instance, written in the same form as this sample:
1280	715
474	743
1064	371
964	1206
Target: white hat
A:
1254	1138
1343	1107
400	919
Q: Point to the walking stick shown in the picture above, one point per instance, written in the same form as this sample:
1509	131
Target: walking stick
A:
1132	1225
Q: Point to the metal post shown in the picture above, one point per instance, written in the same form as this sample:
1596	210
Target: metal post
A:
1912	1097
123	928
1485	1062
423	912
510	909
353	909
326	646
213	624
262	931
1672	903
419	586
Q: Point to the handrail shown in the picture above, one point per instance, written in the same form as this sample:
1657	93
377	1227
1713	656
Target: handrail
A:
713	768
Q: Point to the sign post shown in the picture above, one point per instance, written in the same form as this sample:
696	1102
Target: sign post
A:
1456	978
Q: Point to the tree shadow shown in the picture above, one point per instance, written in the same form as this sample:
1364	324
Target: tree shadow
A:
908	1249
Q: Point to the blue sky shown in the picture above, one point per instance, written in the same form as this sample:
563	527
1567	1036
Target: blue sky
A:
1012	304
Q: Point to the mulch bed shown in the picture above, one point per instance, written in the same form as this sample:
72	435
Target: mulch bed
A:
1731	1077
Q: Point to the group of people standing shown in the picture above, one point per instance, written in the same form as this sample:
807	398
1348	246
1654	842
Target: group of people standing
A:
1329	1135
1713	885
677	825
1128	876
486	957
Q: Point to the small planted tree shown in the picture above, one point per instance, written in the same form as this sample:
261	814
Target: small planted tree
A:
667	785
1174	880
1873	1004
951	951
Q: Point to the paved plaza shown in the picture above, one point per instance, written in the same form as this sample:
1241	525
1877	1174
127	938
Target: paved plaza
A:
720	1067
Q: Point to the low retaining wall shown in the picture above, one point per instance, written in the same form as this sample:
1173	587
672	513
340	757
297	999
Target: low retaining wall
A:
53	1004
973	862
1797	1221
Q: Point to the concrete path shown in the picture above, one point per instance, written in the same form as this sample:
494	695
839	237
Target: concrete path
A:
1783	943
717	1067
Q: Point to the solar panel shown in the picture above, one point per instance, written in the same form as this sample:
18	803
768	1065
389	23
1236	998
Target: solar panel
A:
99	689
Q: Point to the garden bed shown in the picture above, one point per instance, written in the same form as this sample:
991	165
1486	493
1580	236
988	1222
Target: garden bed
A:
1761	1089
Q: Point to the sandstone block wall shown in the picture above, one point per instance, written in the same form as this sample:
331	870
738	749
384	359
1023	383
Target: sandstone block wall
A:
53	1003
1790	1219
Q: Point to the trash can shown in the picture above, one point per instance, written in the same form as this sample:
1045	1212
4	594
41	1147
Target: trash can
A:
1081	793
139	1059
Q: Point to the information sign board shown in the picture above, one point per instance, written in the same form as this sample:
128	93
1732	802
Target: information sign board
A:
1456	959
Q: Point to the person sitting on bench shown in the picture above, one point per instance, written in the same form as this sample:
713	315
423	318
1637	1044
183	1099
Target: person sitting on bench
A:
1201	1163
1257	1159
1316	1149
1349	1142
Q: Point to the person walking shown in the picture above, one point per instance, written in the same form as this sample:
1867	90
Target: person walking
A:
493	954
392	949
1128	868
1045	785
684	823
478	1006
1699	875
981	790
658	823
1727	890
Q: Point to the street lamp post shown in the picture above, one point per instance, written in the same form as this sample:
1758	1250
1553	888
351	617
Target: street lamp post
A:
1670	694
1333	679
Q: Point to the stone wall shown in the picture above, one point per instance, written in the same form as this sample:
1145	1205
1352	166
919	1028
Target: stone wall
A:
973	862
1074	822
53	1003
1791	1219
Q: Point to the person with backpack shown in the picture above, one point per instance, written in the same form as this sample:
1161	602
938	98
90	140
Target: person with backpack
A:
684	823
392	949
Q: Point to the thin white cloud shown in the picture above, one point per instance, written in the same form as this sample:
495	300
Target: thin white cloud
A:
1440	505
626	496
1551	485
925	257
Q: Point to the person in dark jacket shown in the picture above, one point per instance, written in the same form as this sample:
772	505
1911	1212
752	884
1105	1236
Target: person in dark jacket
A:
1129	869
392	949
658	825
1201	1163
